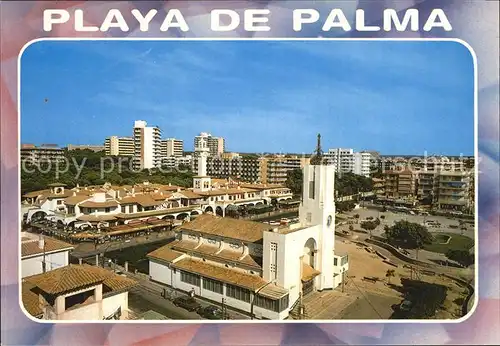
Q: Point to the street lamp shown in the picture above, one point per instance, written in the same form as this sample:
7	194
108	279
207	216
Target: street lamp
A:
255	294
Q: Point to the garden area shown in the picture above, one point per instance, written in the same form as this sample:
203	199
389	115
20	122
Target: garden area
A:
443	242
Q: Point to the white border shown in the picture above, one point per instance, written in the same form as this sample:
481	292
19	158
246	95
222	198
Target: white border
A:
476	165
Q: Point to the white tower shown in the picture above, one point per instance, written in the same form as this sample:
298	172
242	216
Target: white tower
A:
318	210
202	182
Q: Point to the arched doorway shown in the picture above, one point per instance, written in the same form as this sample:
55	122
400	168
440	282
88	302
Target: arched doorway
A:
219	211
209	210
168	217
182	216
38	216
308	264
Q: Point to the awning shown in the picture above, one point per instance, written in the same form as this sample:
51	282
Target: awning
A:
308	272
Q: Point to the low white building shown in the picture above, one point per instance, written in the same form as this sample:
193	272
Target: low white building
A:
41	254
77	292
252	267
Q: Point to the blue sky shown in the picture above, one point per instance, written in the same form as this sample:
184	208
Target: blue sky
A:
262	96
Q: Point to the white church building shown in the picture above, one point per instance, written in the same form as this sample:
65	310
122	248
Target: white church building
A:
250	266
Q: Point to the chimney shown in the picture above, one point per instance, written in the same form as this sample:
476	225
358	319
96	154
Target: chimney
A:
41	242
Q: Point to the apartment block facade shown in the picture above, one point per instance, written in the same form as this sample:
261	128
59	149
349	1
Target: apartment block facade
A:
216	145
119	146
94	148
347	161
443	189
42	153
172	147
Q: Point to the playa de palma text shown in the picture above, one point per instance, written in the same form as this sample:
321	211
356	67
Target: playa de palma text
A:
253	20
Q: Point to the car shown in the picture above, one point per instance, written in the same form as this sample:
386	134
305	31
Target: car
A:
405	305
210	312
188	303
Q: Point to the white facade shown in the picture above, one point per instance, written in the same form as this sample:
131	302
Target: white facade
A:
347	161
37	250
33	265
295	260
362	163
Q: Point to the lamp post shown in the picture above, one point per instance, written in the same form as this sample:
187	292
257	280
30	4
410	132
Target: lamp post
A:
255	294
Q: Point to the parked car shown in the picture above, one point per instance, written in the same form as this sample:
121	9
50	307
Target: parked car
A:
188	303
210	312
405	305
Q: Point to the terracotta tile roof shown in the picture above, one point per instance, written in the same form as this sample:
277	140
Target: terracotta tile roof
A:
165	253
30	299
74	277
211	251
189	194
96	218
35	193
65	279
66	193
156	212
308	272
244	230
31	248
230	191
231	276
145	200
74	200
106	204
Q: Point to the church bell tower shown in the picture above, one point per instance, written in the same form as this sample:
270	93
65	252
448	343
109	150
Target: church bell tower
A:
317	209
202	182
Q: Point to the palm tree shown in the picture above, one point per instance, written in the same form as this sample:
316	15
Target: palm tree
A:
390	273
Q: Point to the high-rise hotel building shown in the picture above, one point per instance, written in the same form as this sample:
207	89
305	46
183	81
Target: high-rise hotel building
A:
147	145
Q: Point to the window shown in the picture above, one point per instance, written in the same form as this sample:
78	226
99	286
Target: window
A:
213	285
211	241
344	260
107	210
272	305
238	293
335	261
311	189
189	278
124	209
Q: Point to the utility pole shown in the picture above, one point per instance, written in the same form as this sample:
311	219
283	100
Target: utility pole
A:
343	279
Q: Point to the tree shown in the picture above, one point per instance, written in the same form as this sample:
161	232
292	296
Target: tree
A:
408	234
390	273
294	181
369	226
464	257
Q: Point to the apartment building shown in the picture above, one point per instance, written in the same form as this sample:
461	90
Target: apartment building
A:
444	189
172	147
42	153
95	148
275	169
400	184
362	163
233	165
216	145
176	161
119	146
347	161
455	190
147	147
